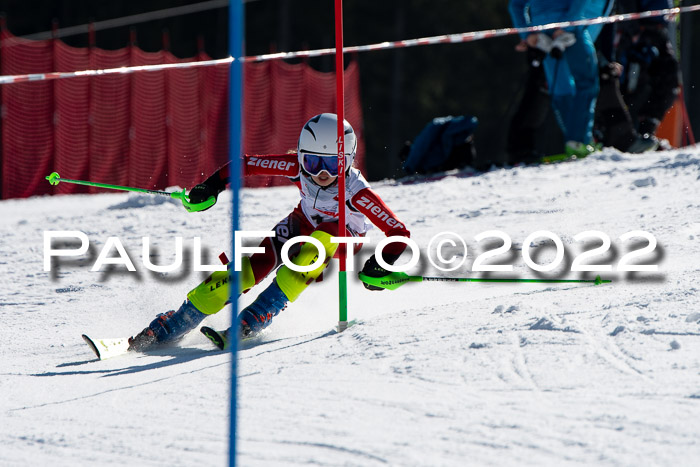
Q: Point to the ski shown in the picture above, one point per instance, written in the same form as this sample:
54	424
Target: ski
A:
221	341
107	348
217	338
557	158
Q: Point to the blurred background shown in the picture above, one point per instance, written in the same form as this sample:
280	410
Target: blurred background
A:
401	89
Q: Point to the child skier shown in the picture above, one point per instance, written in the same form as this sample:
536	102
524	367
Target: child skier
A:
314	170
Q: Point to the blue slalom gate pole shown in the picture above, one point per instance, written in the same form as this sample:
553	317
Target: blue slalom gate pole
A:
236	35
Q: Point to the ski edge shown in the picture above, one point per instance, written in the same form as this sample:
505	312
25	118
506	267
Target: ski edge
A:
92	345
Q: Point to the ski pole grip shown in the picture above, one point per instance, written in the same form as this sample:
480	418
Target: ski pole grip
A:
193	207
391	281
54	178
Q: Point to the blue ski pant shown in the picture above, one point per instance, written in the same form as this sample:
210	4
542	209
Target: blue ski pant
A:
573	85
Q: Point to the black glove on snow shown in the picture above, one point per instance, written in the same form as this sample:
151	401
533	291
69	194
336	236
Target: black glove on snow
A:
212	186
373	269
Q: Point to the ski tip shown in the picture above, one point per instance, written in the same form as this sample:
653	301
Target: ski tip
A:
92	345
214	336
105	348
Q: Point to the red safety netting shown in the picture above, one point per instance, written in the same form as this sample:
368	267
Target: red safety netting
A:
274	115
71	125
27	120
148	129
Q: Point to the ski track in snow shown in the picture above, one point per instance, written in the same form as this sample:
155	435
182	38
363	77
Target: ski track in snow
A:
431	374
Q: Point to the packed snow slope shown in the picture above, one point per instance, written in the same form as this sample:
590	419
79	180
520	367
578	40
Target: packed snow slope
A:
430	374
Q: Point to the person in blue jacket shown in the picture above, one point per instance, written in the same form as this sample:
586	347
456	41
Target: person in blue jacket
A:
572	76
594	9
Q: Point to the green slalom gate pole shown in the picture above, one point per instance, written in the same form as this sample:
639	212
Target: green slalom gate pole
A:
396	279
55	179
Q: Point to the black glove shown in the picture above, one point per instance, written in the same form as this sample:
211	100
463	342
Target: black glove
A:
373	269
212	186
535	56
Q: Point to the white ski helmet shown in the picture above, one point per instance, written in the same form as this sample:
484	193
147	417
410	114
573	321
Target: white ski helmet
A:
317	149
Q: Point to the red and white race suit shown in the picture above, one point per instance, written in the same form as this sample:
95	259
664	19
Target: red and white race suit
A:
319	207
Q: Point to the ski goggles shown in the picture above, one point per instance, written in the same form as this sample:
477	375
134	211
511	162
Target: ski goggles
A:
314	164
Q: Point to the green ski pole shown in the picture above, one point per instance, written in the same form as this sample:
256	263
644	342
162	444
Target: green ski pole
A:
55	179
396	279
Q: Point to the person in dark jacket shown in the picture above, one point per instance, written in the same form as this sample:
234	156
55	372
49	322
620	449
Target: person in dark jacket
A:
613	123
650	80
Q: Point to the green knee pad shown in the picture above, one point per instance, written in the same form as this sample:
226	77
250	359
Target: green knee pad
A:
211	295
293	283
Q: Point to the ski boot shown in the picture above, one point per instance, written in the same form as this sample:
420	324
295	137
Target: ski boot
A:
142	340
258	315
167	327
643	143
254	318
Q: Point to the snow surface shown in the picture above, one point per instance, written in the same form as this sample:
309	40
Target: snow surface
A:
431	374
